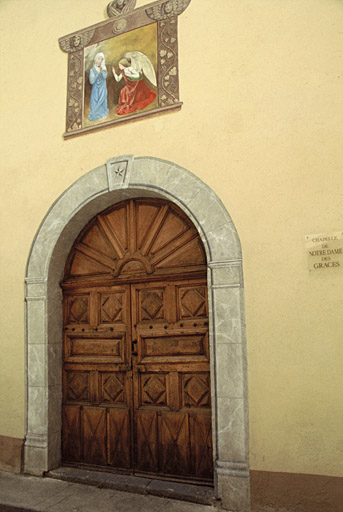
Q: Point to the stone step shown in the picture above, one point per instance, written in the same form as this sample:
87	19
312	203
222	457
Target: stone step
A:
180	491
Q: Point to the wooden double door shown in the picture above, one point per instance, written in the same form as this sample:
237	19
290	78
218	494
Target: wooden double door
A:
136	380
136	377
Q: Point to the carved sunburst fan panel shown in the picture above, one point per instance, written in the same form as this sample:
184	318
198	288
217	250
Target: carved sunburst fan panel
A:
136	237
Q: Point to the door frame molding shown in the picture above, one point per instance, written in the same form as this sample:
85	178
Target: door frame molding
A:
125	177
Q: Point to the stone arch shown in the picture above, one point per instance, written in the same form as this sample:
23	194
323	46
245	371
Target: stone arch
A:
122	178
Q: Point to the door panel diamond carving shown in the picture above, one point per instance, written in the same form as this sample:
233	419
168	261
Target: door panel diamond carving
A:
112	308
196	390
193	302
153	389
113	388
152	305
77	386
78	310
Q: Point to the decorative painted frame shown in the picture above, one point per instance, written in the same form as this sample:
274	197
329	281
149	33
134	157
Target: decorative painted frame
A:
163	15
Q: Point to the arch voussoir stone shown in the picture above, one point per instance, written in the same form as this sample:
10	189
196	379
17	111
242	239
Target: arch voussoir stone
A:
121	178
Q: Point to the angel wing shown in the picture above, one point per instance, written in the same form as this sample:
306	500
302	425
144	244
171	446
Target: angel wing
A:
167	9
141	63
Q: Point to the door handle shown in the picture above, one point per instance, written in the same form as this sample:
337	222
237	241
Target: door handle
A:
133	349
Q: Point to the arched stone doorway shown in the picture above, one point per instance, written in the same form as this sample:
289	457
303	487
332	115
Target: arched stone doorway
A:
122	178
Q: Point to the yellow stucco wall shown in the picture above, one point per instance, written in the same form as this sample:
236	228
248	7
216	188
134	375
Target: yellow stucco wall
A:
261	82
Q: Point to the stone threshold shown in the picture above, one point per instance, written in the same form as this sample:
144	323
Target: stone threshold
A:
141	485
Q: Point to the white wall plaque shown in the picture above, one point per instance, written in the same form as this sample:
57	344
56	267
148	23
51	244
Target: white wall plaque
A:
324	250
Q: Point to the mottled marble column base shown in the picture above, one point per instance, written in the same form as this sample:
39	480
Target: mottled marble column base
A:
42	453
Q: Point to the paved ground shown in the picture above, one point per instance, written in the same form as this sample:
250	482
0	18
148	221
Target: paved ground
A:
45	494
27	493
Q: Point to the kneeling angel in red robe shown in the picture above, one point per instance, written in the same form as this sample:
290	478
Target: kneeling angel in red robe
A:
135	95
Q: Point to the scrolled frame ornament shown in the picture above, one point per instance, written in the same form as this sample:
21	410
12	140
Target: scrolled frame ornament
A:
168	63
75	88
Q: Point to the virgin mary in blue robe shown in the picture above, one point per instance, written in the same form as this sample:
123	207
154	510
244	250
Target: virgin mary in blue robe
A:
97	78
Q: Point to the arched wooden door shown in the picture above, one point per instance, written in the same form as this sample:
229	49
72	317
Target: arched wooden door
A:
136	378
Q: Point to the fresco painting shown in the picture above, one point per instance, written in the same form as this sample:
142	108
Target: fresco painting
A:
97	78
121	76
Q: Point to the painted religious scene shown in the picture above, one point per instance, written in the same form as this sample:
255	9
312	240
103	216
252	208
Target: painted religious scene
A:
121	76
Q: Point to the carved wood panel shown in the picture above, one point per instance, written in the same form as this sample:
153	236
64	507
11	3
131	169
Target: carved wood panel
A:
77	386
172	396
135	238
71	434
201	445
196	390
147	443
192	302
175	439
153	389
152	305
78	309
94	435
95	378
119	439
113	388
112	308
136	381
